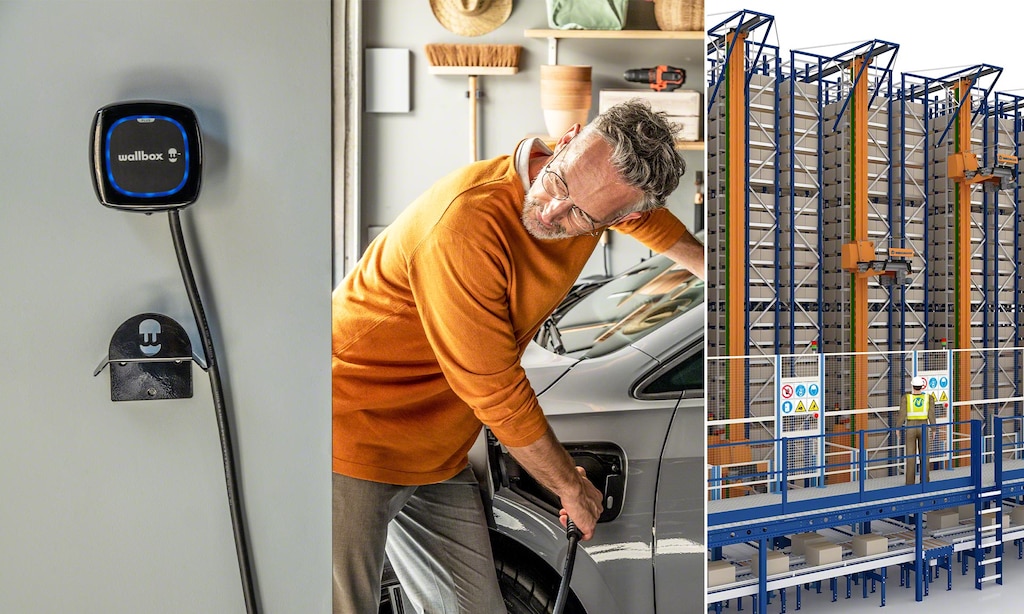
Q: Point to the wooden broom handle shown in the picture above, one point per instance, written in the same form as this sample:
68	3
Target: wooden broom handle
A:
472	118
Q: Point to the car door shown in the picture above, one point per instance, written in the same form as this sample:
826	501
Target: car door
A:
679	523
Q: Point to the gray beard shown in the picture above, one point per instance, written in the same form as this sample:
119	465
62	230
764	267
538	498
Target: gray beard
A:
536	229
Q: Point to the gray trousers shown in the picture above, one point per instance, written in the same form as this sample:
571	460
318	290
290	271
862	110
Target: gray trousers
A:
915	446
436	539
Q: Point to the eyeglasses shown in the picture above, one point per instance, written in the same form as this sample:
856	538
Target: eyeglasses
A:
554	186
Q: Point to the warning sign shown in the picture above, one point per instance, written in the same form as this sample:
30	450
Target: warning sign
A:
814	407
800	407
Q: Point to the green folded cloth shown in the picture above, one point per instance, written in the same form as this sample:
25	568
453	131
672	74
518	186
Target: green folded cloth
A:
587	14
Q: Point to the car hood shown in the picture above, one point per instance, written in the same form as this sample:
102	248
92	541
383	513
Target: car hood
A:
544	367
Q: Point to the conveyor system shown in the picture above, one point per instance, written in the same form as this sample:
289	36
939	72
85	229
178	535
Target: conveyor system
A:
744	529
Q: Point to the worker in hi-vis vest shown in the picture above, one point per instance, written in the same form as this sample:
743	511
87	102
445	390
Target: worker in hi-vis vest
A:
916	408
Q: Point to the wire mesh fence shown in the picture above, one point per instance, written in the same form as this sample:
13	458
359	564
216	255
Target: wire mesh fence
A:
833	417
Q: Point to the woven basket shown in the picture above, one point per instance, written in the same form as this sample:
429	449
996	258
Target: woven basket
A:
679	14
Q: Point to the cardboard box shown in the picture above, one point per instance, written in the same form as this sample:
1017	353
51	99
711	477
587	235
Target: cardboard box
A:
823	553
942	519
683	107
778	562
721	572
967	515
868	544
800	540
1017	515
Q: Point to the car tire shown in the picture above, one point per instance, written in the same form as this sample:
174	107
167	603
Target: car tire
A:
523	589
529	591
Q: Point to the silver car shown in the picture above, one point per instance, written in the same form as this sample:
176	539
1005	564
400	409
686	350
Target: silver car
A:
619	370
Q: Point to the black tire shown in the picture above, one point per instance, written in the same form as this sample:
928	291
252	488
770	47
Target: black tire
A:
525	591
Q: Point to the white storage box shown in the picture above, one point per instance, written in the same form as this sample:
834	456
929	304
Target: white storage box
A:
683	107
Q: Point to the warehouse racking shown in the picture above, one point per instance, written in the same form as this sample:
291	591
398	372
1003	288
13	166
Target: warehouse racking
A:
863	227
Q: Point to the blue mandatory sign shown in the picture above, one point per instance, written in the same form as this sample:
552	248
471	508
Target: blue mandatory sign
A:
787	407
800	390
933	383
943	382
812	390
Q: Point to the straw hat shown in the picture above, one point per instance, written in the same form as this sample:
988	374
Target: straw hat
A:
471	17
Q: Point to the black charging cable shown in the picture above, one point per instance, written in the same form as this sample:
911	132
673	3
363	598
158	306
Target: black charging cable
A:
573	534
227	450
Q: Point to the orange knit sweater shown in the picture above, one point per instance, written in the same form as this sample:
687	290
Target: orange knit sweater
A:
430	326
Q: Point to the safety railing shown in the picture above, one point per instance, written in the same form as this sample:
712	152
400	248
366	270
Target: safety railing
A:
871	478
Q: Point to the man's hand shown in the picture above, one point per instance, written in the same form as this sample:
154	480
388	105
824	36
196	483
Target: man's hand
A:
548	462
584	510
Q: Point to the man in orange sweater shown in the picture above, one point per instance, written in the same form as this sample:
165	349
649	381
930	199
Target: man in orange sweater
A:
429	330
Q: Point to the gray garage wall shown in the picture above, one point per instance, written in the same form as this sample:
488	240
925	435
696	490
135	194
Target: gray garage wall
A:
403	153
111	508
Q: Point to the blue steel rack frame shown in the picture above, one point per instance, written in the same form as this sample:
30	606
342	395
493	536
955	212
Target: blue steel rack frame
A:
762	524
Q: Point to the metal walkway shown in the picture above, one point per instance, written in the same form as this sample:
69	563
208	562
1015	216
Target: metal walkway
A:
745	529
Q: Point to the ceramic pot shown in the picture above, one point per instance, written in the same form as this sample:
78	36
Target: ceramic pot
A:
565	96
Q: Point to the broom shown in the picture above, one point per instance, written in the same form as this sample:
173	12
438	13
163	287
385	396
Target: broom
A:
473	61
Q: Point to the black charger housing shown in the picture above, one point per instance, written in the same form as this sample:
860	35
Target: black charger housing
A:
146	156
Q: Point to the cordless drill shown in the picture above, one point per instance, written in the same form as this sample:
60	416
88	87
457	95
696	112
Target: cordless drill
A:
660	78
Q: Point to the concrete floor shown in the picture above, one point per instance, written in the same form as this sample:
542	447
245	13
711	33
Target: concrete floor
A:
992	598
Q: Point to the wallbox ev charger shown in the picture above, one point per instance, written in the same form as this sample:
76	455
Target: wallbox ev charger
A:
146	156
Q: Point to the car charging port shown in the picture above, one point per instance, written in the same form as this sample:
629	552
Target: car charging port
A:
604	463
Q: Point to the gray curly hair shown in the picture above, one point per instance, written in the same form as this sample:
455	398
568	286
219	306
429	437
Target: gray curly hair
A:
643	150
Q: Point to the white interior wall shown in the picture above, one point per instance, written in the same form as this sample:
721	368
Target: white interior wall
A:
403	153
121	507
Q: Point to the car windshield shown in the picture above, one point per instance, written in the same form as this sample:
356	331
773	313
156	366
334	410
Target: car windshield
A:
628	307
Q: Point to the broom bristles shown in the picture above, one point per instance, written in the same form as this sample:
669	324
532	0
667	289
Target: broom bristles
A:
440	54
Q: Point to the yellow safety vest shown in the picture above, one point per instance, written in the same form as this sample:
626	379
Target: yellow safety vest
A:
917	407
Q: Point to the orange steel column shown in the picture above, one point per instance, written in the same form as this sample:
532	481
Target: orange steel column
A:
736	250
859	232
962	247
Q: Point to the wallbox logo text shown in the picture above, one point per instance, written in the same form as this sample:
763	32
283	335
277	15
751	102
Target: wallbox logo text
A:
139	156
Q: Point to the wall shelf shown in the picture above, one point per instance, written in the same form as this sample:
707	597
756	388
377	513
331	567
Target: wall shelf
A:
621	34
554	35
680	145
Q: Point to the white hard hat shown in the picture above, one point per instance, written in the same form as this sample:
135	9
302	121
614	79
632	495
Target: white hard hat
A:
918	382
